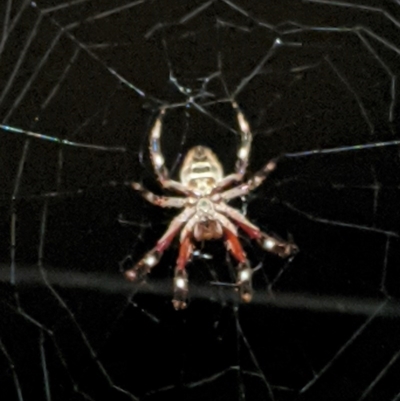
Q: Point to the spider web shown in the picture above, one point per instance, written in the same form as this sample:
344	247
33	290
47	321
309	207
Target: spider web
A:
81	84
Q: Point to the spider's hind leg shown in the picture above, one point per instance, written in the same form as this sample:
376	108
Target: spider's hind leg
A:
244	284
181	281
269	243
151	259
245	272
144	266
279	247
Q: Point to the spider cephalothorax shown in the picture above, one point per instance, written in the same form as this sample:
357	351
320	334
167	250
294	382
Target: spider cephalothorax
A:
206	214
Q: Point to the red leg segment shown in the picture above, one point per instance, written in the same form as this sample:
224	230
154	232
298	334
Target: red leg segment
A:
152	257
185	251
244	270
267	242
173	229
181	287
234	246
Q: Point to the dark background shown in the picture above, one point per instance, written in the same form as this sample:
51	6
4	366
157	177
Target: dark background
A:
308	76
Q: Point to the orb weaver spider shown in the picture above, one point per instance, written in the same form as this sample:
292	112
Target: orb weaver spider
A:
206	214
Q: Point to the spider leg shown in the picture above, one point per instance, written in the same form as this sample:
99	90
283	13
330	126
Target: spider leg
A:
243	151
255	181
181	281
186	250
267	242
163	201
244	270
235	248
157	158
152	257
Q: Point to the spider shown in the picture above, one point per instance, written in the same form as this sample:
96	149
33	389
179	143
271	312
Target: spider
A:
206	214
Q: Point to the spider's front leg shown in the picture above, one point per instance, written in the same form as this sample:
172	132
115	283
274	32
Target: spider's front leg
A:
243	152
157	158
